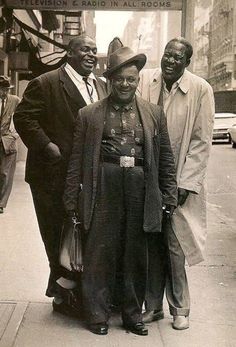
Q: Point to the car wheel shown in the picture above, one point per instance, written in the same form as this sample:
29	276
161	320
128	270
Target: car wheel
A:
230	140
233	144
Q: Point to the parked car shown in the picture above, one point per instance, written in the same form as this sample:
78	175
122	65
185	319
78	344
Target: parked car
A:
232	132
223	121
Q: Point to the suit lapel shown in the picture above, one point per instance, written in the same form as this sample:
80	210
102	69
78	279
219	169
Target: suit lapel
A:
100	88
147	121
6	106
6	114
155	88
70	88
99	114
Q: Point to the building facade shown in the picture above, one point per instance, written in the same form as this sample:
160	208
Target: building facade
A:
215	43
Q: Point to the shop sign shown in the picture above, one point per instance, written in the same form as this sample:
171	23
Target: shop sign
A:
112	5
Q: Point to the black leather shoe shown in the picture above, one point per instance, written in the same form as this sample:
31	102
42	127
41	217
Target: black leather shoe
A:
99	328
67	310
137	328
1	210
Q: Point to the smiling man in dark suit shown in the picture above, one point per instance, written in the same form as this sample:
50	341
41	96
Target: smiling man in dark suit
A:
123	161
45	121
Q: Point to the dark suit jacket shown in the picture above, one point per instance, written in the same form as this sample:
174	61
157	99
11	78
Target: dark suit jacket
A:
46	114
84	162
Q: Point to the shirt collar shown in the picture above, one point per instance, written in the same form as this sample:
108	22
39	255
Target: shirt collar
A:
175	85
77	75
182	82
118	107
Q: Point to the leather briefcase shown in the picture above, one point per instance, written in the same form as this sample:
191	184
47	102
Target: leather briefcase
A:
70	256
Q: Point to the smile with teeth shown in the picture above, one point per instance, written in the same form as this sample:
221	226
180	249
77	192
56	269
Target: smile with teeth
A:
169	69
90	61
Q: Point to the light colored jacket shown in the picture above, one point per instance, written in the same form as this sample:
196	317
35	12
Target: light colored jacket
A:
190	118
8	132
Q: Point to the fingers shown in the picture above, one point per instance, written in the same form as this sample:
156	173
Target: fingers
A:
182	196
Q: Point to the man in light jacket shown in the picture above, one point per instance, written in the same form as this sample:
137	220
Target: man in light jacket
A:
189	108
8	137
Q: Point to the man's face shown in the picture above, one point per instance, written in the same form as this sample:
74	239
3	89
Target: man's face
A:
174	61
124	83
82	56
4	93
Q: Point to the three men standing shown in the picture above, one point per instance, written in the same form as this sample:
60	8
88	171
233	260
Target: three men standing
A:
45	120
188	104
120	174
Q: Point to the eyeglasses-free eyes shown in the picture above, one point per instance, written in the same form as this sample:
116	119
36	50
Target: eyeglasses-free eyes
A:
121	80
177	57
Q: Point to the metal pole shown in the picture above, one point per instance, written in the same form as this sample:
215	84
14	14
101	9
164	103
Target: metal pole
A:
183	18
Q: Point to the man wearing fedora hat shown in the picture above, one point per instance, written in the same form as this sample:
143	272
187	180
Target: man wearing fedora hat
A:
8	150
120	174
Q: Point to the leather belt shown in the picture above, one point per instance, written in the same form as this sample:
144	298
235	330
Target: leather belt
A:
123	161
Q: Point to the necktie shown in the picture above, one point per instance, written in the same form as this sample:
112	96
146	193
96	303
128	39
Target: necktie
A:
2	109
89	89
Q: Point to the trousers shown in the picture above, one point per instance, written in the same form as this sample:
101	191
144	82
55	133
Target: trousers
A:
7	170
50	215
167	272
116	243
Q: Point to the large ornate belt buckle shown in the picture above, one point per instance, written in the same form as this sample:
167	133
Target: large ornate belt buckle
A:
126	161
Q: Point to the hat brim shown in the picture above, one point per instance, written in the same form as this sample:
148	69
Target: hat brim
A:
139	60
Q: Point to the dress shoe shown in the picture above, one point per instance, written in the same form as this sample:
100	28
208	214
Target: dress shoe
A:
1	209
180	322
137	328
99	328
151	316
67	310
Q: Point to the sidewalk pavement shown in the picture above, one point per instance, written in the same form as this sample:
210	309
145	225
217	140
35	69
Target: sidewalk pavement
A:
26	316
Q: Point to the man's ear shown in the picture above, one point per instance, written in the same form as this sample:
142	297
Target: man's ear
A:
69	53
188	62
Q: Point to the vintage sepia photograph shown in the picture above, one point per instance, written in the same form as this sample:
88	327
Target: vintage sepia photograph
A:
117	173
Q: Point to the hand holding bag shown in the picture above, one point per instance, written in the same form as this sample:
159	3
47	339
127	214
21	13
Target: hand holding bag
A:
70	256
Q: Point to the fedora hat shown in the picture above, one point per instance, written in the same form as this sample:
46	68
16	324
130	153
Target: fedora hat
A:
5	82
123	56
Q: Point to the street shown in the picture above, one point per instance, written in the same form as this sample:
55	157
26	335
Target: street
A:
26	316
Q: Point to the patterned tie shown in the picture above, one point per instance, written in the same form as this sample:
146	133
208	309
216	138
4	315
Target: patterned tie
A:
89	89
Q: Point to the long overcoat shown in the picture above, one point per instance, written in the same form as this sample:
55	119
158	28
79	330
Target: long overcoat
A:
190	117
159	168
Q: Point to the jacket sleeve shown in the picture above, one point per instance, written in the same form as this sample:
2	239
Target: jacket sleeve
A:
167	172
12	129
194	169
74	177
27	117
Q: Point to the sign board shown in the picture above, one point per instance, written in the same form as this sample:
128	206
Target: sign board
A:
103	5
